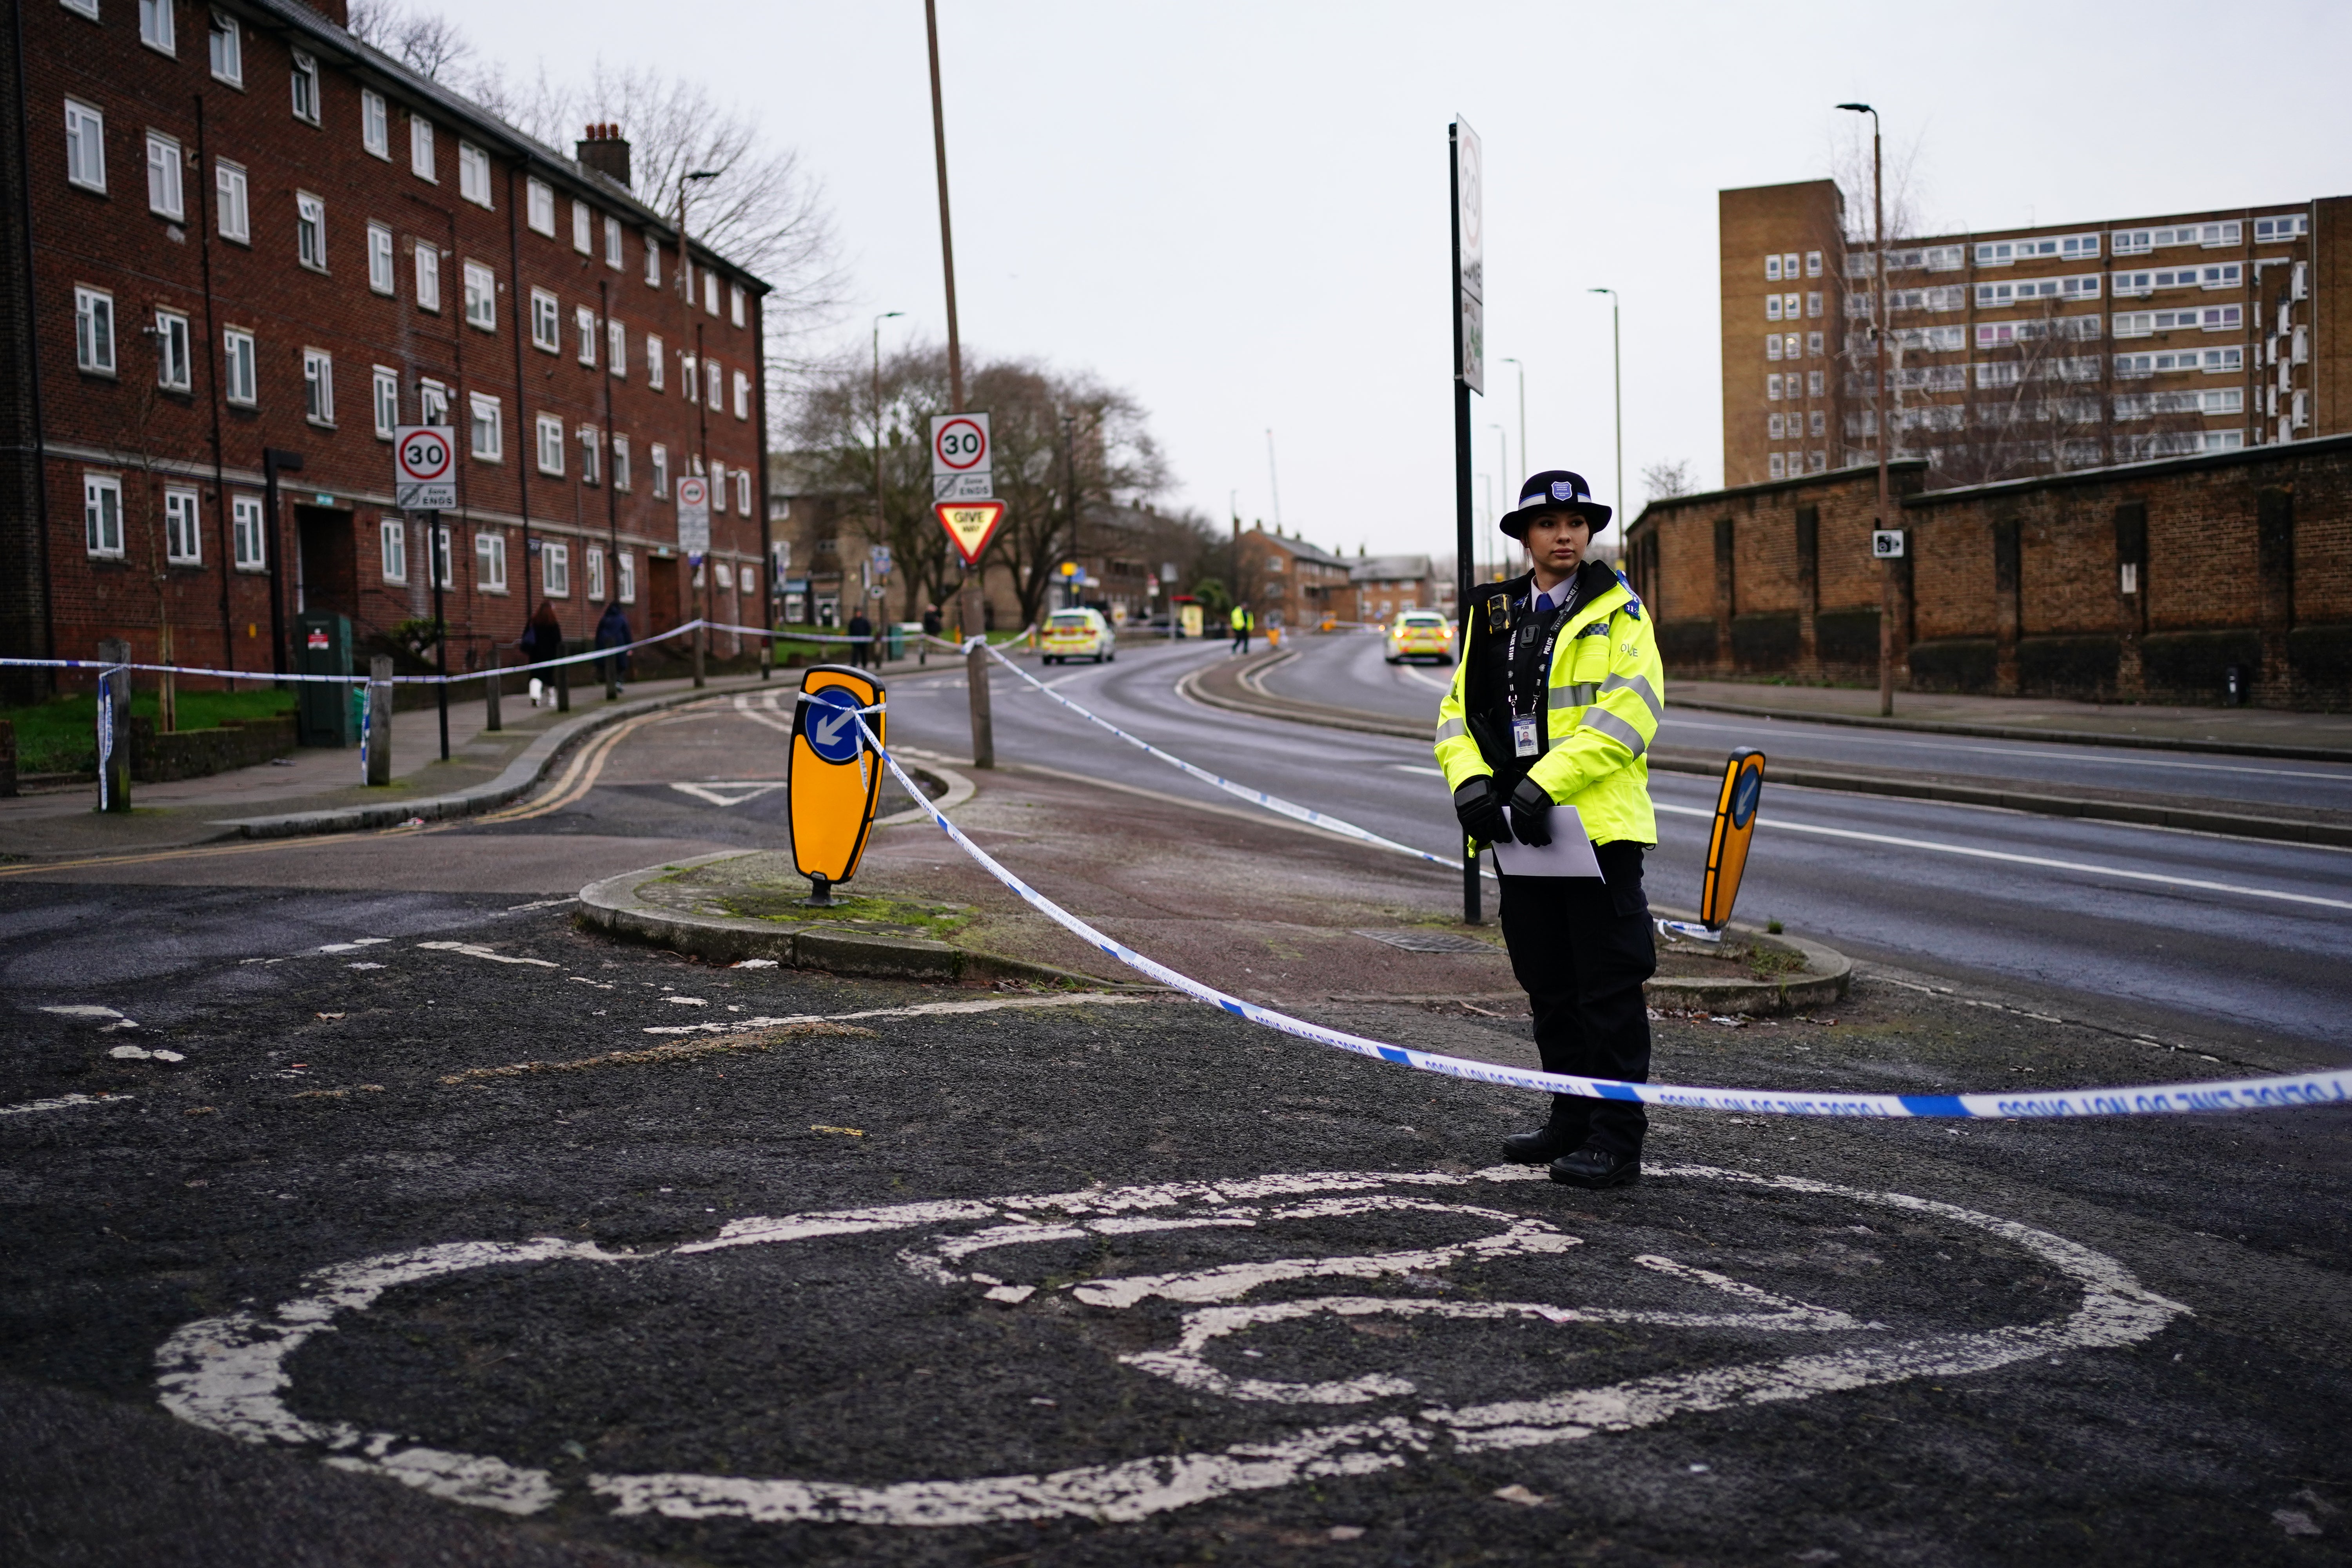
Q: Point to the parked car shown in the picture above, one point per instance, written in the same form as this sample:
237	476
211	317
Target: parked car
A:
1078	634
1420	634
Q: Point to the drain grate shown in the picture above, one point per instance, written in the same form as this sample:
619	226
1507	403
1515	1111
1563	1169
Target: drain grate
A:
1429	941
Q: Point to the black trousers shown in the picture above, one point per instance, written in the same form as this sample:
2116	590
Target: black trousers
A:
1580	950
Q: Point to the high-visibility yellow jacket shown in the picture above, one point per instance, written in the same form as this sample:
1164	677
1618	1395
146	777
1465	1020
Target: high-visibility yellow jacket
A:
1607	692
1242	617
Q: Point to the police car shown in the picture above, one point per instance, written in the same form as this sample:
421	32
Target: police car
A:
1078	634
1421	634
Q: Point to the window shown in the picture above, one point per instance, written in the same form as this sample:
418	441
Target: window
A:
620	469
1816	422
432	403
1789	265
2211	362
393	535
716	382
742	395
489	429
101	514
444	567
375	124
617	348
311	231
1812	346
236	217
2066	247
429	277
183	543
473	174
1789	346
652	261
735	303
481	297
155	26
237	377
2194	318
1773	346
318	387
1992	296
540	199
2067	329
743	491
1778	466
94	330
710	292
1788	306
1812	304
719	501
555	568
420	149
2143	405
612	242
749	577
163	176
590	446
1772	388
490	562
2281	230
385	400
2141	241
546	333
691	375
658	455
580	225
723	573
1771	307
585	321
1812	264
654	361
1812	383
550	444
596	572
85	146
244	534
380	258
304	83
1772	269
173	358
228	50
628	575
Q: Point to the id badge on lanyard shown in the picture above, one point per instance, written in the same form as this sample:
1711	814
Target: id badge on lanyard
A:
1523	737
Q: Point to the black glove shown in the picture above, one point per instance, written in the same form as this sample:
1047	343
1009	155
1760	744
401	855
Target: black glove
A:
1480	811
1531	814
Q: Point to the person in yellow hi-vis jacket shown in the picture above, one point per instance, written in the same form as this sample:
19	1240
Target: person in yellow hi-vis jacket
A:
1555	702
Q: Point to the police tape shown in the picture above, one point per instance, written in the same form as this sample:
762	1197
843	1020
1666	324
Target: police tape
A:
1273	803
2137	1099
273	676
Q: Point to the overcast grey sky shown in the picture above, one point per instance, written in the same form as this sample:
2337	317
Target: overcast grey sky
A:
1238	212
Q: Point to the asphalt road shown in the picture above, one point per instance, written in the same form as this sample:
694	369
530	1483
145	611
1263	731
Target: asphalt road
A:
2139	923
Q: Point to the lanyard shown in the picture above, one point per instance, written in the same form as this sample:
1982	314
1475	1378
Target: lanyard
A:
1560	616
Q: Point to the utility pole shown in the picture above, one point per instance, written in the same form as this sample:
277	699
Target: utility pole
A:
881	518
702	418
1878	334
1523	465
1459	303
1273	482
974	597
1617	395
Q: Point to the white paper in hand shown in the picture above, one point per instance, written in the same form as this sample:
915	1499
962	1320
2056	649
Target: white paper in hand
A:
1569	853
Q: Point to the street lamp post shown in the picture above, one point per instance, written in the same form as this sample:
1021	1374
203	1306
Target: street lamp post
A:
701	639
1503	468
1878	360
1617	397
1523	414
881	518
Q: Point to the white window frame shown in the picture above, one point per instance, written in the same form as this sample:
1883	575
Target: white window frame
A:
174	352
718	502
303	85
481	296
617	348
487	427
318	387
714	379
95	349
549	428
652	260
165	195
742	395
658	456
622	477
538	200
311	231
735	297
596	572
392	547
710	292
225	47
384	400
1771	307
690	372
234	193
546	322
1812	383
156	29
583	224
375	124
444	555
628	574
432	404
2282	228
381	274
653	365
184	530
240	367
101	516
1772	384
427	268
1812	346
613	242
1777	466
743	491
1772	347
85	146
1812	264
490	561
473	174
249	540
1773	267
592	454
421	160
584	322
555	568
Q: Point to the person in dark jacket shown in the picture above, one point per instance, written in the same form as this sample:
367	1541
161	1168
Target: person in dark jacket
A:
542	639
933	623
861	641
613	631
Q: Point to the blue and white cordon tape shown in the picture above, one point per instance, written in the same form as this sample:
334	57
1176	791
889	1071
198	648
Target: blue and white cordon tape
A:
2141	1100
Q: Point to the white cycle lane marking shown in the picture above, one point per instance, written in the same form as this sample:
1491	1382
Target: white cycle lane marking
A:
229	1374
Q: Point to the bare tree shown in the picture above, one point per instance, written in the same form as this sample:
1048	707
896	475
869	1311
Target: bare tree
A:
1905	182
426	42
1667	476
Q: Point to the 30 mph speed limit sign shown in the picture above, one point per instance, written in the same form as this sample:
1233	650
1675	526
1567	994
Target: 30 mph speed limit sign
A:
423	469
960	458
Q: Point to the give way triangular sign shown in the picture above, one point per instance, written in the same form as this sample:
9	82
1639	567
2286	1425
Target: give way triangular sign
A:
971	523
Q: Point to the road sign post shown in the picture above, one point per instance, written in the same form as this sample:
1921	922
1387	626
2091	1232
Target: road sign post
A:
962	458
832	783
424	479
1468	180
693	544
971	524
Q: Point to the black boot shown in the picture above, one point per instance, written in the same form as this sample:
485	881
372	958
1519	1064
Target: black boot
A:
1594	1166
1543	1145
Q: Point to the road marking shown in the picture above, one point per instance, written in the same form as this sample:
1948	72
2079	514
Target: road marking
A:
1417	768
2027	748
729	792
62	1102
920	1010
232	1374
1974	853
476	949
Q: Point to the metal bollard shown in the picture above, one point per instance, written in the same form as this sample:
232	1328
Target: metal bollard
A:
975	668
563	687
376	741
490	684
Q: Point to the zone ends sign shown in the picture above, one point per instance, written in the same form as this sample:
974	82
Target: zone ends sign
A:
423	469
962	458
971	523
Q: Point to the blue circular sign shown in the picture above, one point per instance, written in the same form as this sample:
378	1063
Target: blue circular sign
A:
831	724
1744	794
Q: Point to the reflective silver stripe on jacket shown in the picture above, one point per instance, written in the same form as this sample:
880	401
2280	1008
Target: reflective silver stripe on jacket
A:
1616	729
1447	728
1574	695
1639	684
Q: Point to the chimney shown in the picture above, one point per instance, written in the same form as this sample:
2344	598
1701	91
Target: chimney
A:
602	150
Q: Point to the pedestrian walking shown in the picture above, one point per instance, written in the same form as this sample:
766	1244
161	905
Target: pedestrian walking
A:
542	639
1243	621
613	631
861	640
932	624
1555	702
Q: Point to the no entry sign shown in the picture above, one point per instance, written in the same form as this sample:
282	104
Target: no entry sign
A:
962	458
694	515
423	469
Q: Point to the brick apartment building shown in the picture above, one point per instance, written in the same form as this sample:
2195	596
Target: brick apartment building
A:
1385	585
2021	351
1289	582
232	228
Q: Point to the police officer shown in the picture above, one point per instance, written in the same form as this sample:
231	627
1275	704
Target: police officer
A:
1555	702
1243	621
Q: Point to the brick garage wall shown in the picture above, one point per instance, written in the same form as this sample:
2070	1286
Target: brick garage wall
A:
2243	559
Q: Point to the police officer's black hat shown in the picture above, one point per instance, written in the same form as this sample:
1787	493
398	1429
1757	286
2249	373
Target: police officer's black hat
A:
1555	489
